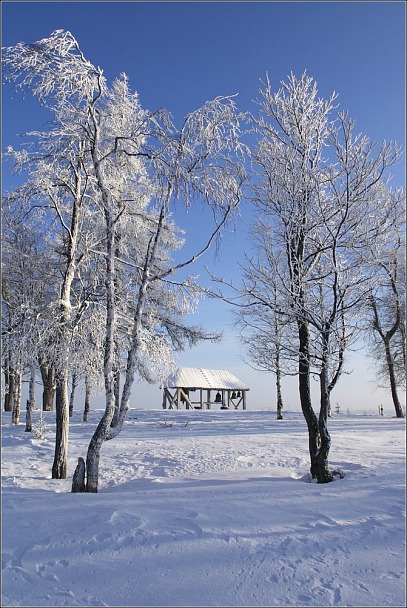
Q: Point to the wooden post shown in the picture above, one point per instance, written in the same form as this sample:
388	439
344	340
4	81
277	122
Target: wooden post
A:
170	398
185	397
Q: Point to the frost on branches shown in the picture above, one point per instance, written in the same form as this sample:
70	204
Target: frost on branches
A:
322	198
103	182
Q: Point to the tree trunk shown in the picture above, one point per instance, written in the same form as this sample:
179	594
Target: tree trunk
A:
78	480
9	385
278	367
93	454
30	401
99	436
9	396
87	400
116	396
28	416
59	467
386	337
48	380
279	396
323	474
305	396
74	384
392	378
15	417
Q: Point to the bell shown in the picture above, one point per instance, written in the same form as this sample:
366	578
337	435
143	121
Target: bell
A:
238	395
218	398
234	395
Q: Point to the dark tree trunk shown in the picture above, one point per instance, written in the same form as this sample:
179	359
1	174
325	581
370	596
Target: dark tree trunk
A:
116	396
93	454
74	384
277	360
28	416
392	378
59	467
323	474
305	396
15	416
48	380
87	400
78	480
30	402
9	389
279	395
386	338
99	436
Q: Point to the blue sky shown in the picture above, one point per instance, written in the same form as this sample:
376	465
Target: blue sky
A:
177	55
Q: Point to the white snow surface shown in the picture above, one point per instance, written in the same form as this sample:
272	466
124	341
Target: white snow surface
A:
206	508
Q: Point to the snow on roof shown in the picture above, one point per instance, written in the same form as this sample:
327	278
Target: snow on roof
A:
195	377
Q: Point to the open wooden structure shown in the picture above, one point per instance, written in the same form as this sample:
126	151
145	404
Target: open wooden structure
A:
198	388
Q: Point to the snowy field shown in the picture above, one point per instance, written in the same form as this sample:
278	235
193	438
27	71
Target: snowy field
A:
207	508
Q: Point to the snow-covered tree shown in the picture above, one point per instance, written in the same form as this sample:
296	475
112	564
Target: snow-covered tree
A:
266	328
320	188
122	169
180	166
27	280
387	307
57	183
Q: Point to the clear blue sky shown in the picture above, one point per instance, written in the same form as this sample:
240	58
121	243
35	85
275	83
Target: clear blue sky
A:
177	55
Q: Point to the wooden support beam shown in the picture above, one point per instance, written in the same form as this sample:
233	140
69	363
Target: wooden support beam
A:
180	396
171	398
185	398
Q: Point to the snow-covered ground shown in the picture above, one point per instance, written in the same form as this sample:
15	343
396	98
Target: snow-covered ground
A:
207	508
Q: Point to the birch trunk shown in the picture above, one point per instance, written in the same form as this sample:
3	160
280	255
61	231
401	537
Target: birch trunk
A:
322	472
59	467
99	436
116	375
386	338
74	384
9	396
87	400
392	379
305	396
135	338
9	386
278	364
15	417
48	380
30	401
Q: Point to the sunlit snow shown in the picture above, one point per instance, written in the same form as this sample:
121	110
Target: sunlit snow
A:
206	508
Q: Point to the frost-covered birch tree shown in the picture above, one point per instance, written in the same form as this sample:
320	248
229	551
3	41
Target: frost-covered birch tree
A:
58	185
170	166
387	305
130	167
322	187
266	328
27	279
